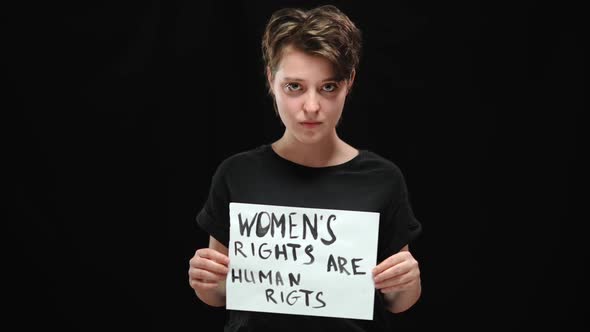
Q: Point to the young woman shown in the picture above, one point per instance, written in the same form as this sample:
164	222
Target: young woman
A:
311	59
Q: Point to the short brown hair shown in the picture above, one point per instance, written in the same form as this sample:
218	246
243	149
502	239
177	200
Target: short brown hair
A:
325	31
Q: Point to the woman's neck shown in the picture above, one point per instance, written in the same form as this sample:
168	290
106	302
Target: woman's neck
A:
329	152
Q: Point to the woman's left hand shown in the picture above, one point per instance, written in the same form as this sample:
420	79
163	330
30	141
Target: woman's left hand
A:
397	273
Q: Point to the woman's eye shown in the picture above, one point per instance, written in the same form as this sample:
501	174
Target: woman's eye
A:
329	87
293	86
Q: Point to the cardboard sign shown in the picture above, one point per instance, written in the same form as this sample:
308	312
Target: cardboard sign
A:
302	261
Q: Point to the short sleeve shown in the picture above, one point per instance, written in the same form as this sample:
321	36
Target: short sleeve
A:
213	217
402	226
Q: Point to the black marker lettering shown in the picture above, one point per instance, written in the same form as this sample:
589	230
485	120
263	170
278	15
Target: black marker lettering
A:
294	246
262	276
289	297
318	298
234	277
269	293
332	263
252	280
341	263
278	223
355	266
308	251
244	225
312	228
333	237
306	292
291	225
238	248
293	281
279	252
261	231
279	279
264	253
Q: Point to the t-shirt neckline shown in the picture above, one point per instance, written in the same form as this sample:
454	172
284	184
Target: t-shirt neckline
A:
345	164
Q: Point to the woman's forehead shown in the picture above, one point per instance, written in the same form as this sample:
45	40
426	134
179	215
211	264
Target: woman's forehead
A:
298	65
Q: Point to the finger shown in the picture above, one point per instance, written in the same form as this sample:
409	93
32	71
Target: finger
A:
391	272
397	288
204	275
389	262
210	265
214	255
204	285
402	279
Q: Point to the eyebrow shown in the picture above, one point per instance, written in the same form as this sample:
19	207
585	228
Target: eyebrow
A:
302	80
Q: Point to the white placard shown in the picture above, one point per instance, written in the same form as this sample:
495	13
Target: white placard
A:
303	261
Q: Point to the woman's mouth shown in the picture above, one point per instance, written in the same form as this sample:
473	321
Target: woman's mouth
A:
310	124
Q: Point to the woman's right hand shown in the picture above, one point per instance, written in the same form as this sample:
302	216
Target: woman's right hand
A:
208	270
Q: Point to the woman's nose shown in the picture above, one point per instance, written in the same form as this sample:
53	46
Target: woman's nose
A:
311	103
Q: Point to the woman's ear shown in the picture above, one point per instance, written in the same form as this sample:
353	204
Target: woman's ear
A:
350	81
269	79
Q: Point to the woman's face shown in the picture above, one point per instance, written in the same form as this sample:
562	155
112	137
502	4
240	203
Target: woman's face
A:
309	99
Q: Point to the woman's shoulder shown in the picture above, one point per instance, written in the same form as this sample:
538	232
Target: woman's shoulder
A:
378	166
376	161
242	158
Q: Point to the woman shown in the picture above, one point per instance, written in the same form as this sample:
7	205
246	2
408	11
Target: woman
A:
311	59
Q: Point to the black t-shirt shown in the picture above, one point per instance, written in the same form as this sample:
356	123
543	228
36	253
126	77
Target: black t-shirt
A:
368	182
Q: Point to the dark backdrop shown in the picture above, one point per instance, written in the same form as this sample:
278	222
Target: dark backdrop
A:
124	109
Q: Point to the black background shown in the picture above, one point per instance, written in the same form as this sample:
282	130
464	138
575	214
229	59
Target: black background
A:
124	109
